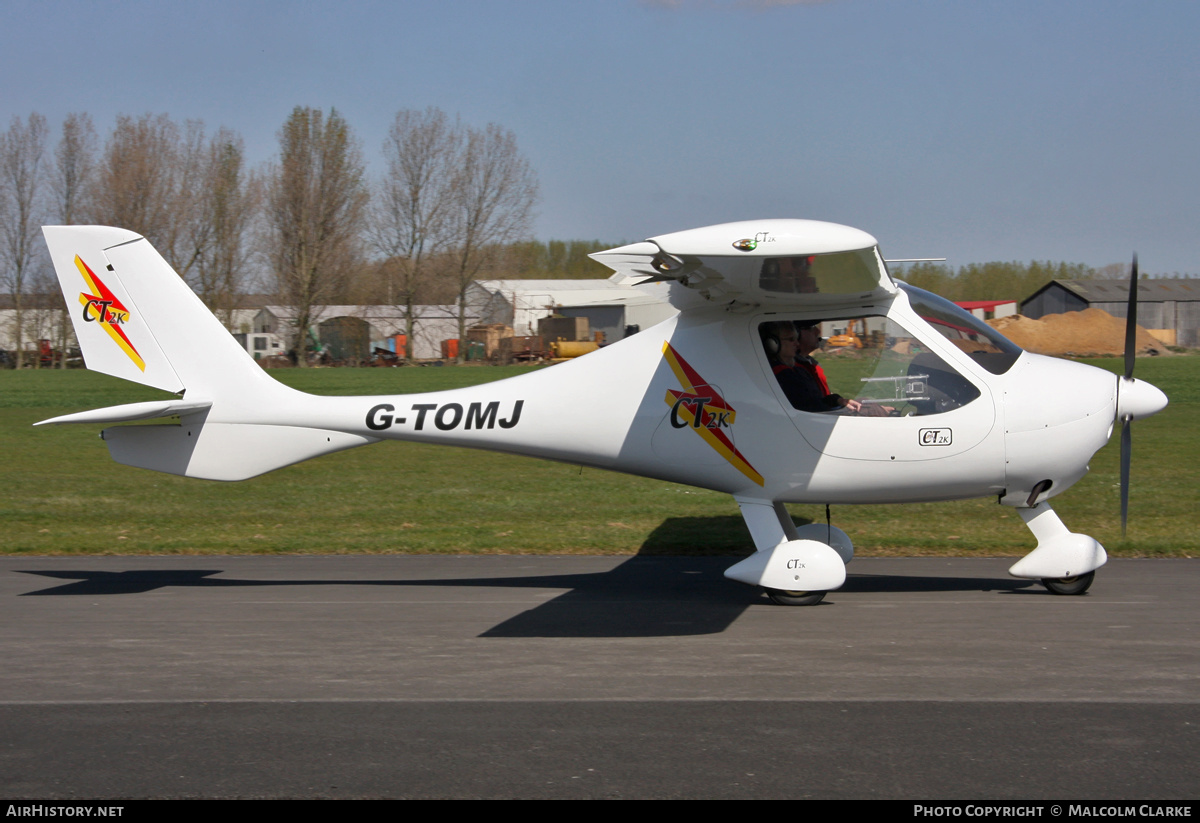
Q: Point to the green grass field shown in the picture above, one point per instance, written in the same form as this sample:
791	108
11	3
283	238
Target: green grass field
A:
64	495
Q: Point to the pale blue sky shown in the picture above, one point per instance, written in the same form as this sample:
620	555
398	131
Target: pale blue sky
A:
971	129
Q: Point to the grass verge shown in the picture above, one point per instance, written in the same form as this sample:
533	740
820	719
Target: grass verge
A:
66	497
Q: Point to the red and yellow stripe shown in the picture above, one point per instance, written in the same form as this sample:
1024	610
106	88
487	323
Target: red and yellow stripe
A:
695	386
100	292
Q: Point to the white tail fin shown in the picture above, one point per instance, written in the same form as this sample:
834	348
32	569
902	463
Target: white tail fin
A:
136	319
112	331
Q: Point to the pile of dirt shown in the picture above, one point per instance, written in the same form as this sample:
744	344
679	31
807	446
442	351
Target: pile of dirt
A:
1087	333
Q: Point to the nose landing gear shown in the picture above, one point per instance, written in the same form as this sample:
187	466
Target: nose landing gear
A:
780	597
1077	584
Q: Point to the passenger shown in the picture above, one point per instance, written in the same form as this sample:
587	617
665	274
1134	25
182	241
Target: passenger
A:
789	347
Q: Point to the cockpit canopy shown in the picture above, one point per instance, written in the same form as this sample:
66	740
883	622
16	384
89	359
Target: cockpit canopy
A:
778	263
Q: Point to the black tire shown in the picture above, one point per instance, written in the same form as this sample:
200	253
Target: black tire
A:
780	597
1069	585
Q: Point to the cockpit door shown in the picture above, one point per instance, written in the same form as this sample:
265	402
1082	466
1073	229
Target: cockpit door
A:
919	402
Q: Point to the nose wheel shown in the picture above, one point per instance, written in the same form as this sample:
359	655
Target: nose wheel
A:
782	597
1069	585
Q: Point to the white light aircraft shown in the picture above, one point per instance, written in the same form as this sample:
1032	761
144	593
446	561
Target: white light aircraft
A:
933	405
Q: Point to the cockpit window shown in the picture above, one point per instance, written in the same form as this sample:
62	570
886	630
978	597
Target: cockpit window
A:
985	345
862	366
848	272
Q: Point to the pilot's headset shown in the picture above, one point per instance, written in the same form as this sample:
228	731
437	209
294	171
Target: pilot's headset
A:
769	332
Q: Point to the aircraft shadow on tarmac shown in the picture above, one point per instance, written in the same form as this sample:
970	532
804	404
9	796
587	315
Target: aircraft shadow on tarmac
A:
657	593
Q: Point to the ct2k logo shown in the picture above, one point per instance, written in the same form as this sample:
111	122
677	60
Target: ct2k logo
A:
935	437
701	408
101	306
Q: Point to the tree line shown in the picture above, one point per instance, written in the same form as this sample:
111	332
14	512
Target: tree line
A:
453	203
308	228
990	281
190	192
1013	280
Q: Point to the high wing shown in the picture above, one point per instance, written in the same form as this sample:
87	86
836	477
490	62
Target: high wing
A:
757	263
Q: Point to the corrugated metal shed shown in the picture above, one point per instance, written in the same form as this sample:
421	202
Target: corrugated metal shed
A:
432	324
1162	304
608	306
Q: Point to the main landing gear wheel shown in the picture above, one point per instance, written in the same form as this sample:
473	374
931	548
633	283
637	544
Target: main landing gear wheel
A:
1069	585
782	597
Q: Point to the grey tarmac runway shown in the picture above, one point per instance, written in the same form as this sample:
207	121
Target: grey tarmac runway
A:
591	677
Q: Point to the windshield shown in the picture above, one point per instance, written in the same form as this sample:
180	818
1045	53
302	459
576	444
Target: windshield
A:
985	345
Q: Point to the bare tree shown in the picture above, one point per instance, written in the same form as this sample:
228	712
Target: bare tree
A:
150	179
183	234
495	191
135	181
70	176
315	202
217	239
1113	271
190	195
74	164
21	172
412	211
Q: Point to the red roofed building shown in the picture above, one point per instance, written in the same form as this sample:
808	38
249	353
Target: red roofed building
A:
989	309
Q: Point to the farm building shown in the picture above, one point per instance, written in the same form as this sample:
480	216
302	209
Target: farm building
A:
611	308
352	332
989	309
42	316
1168	309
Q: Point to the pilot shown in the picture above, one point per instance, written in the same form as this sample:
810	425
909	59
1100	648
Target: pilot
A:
789	347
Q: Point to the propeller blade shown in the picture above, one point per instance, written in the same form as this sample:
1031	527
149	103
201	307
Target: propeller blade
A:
1127	420
1126	454
1131	320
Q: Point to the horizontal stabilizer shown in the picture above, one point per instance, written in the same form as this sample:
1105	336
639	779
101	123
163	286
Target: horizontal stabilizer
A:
223	451
132	411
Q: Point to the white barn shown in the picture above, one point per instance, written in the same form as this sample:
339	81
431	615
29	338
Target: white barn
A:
614	309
